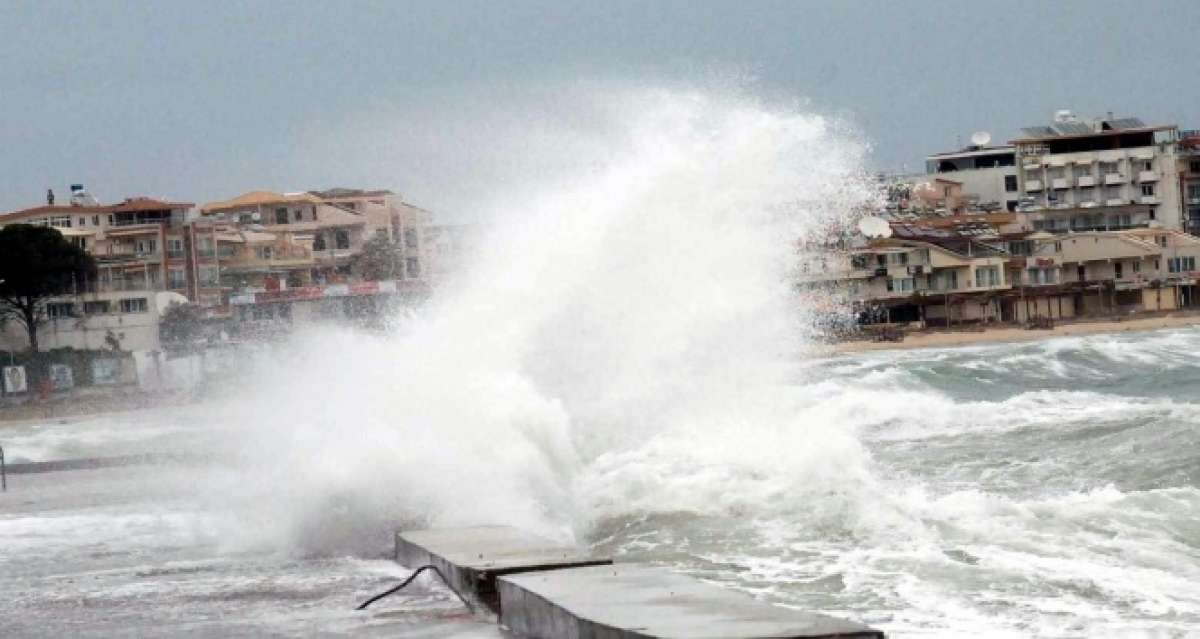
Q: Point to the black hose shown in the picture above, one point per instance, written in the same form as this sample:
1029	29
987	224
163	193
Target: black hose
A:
409	580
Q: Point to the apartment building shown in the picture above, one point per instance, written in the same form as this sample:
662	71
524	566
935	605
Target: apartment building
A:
1103	174
317	235
987	175
922	274
1189	180
142	264
970	272
390	217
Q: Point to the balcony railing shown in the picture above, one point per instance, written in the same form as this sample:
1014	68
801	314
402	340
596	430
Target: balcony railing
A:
1114	178
1033	185
1085	180
1061	183
1147	176
175	255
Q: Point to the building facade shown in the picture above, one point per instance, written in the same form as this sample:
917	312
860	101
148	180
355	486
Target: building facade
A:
1103	174
988	175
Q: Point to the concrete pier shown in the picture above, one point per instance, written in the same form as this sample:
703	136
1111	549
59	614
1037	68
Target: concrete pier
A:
631	600
472	558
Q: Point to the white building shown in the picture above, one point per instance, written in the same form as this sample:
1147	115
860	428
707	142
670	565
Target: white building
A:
988	175
1104	174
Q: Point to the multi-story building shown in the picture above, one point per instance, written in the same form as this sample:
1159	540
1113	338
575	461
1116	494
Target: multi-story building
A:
970	273
1189	180
389	216
141	246
1104	174
925	275
318	235
988	175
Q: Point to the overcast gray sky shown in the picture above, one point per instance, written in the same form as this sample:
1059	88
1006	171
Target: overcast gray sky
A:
205	100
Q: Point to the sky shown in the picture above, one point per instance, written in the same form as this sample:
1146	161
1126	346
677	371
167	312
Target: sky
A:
202	101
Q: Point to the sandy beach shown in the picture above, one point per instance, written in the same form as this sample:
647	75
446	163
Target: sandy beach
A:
940	338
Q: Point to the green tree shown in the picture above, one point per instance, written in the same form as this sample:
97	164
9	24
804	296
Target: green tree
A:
36	264
380	260
180	325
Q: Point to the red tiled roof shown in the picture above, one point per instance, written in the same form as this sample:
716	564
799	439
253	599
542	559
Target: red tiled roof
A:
129	205
148	204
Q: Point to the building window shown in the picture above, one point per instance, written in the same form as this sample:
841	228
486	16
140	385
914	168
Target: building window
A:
80	242
175	278
95	220
1137	266
341	239
319	242
281	216
410	238
1147	165
1148	190
82	221
207	275
146	247
263	252
1058	247
96	308
1193	192
61	221
987	276
60	310
297	215
413	267
174	247
134	305
1181	264
1161	240
1118	270
1011	205
1010	183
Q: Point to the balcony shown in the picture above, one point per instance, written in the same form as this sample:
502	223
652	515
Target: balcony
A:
1114	201
175	255
1087	204
1085	181
1114	178
1149	199
1147	176
1033	185
1060	184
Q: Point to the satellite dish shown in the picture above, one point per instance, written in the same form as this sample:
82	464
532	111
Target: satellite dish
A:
875	227
981	138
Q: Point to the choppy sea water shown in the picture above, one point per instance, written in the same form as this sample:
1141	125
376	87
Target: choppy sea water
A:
1037	489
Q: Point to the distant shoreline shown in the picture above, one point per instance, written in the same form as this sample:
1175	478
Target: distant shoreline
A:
941	338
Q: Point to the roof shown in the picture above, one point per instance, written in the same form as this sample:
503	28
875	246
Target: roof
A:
974	152
1072	130
258	198
142	203
342	192
59	209
137	203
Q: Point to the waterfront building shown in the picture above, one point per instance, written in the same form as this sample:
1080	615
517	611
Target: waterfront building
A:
987	175
1189	180
1103	174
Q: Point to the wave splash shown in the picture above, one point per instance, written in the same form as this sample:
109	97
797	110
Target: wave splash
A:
622	343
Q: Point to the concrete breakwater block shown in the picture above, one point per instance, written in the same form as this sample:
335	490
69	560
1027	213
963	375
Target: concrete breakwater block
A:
472	558
631	600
